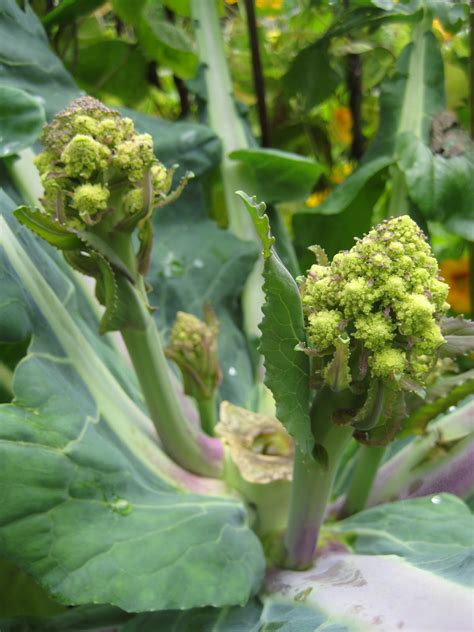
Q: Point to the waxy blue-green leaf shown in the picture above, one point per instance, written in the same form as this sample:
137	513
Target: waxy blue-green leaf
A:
194	263
411	569
21	120
27	61
279	176
91	507
287	369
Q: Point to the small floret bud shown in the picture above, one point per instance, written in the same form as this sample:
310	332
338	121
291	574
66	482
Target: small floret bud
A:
90	200
83	155
133	201
388	363
193	347
161	178
135	156
375	330
324	329
356	297
414	314
44	161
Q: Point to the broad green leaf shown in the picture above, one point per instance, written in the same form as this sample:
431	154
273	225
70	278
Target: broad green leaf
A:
411	570
433	534
279	176
193	263
326	230
287	369
21	120
167	44
127	11
27	62
358	184
442	187
69	10
311	77
121	73
90	506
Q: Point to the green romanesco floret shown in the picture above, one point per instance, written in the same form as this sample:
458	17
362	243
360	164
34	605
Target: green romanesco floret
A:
386	294
375	330
388	363
90	200
324	328
133	201
84	156
134	157
90	149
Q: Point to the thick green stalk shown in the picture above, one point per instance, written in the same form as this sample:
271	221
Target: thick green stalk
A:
312	484
207	414
367	464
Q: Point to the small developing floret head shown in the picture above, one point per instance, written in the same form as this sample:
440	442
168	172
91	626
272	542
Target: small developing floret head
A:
193	347
96	168
386	295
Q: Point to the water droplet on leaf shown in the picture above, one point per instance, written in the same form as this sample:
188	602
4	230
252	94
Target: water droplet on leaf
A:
121	506
436	500
198	263
232	371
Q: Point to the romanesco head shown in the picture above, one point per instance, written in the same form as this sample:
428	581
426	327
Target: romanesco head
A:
386	295
94	161
193	347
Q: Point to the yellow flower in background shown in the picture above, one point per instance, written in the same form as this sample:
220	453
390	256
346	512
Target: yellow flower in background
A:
275	5
341	125
341	172
316	198
456	274
437	26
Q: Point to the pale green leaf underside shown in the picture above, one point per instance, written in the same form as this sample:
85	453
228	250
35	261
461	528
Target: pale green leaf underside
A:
85	508
411	570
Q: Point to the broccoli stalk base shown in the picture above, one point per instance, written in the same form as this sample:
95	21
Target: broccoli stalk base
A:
312	483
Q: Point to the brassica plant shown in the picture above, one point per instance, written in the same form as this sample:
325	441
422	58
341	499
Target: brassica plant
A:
161	471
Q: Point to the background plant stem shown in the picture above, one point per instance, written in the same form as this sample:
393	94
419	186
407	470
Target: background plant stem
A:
258	78
367	463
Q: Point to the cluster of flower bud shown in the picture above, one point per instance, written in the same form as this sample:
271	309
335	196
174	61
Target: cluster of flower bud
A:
96	166
385	295
193	347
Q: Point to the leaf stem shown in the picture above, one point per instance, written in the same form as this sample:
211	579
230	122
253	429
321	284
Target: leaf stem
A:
312	484
207	414
185	444
367	463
